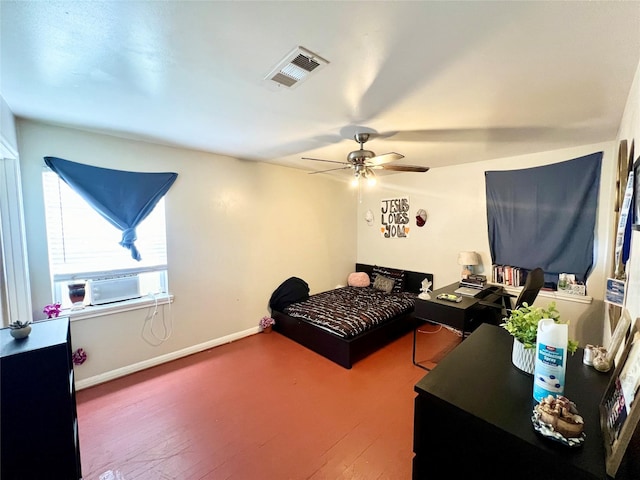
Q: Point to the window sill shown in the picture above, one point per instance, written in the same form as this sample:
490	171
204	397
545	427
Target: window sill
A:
92	311
550	294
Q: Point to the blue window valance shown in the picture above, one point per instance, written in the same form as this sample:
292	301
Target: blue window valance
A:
545	216
123	198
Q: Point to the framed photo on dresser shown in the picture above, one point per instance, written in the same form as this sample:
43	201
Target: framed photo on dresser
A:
620	406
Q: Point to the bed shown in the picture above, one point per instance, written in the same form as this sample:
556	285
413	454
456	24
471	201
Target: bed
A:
347	342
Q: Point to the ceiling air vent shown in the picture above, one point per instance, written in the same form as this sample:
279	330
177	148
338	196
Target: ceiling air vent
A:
295	67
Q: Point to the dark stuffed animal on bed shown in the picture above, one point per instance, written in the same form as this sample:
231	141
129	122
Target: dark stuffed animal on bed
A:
290	291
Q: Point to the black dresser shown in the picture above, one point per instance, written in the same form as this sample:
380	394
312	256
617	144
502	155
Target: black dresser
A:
38	421
473	413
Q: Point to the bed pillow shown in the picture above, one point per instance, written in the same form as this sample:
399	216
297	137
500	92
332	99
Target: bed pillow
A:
383	283
398	277
358	279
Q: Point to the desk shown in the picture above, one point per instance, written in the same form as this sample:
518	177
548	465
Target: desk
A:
474	409
452	314
463	316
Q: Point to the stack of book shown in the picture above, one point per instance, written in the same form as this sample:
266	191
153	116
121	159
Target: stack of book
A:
508	275
474	281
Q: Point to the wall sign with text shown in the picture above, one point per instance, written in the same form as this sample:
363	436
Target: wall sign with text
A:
394	217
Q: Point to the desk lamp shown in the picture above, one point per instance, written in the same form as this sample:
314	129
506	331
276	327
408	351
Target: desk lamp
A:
468	260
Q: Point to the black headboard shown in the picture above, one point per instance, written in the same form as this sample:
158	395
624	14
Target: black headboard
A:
413	280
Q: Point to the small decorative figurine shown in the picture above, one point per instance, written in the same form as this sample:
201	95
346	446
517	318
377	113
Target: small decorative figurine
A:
426	285
601	361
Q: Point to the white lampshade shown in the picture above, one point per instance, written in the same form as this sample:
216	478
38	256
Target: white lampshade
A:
468	258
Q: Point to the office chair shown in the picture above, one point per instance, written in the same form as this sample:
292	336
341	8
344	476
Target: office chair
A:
532	286
497	304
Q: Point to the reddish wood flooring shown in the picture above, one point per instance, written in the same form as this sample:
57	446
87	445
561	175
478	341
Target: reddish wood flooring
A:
259	408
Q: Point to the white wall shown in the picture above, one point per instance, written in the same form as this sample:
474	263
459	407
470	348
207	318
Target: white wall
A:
455	201
630	131
236	230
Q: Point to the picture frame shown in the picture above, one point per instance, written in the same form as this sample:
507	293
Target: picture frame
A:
620	405
619	335
621	176
615	292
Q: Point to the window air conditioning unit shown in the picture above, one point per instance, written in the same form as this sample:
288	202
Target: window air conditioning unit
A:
114	289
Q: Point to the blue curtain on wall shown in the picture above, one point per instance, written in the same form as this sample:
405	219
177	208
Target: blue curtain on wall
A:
123	198
545	216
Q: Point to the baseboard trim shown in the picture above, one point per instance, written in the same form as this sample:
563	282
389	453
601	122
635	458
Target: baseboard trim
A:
152	362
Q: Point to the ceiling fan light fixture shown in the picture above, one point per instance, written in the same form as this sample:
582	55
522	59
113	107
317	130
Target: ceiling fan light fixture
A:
296	67
369	176
365	162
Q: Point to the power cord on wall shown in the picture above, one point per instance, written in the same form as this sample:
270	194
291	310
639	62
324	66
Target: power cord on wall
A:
430	331
150	320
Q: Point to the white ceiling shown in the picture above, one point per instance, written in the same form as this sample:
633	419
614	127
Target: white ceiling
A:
457	81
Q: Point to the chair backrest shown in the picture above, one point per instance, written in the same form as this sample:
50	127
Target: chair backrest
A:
533	284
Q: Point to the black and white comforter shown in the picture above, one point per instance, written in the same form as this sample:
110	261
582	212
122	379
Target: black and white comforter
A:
349	311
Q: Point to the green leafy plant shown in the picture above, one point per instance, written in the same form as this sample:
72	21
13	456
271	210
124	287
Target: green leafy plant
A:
18	324
522	323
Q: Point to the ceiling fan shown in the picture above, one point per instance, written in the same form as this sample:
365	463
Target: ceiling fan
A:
364	162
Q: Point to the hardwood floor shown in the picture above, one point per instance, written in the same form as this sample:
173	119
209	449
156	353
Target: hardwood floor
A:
260	408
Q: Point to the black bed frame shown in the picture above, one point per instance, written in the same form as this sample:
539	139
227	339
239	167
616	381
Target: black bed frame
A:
346	351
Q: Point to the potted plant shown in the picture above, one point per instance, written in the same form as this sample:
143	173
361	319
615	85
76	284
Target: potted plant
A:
522	323
20	329
52	310
266	323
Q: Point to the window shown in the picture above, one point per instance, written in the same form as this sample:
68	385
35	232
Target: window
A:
545	216
83	245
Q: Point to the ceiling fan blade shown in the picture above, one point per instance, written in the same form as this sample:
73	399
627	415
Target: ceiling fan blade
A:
322	160
404	168
471	134
330	170
384	158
